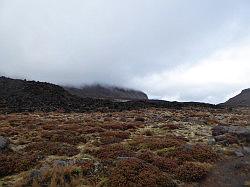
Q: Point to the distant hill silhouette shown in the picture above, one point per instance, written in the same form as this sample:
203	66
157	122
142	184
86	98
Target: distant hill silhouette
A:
240	100
21	95
28	96
107	92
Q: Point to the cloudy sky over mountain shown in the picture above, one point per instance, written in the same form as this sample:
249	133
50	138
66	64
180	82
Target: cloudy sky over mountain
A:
171	49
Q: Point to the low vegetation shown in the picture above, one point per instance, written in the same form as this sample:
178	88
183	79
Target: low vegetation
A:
153	147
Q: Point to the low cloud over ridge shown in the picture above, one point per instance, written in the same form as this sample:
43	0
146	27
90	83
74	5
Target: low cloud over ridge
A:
171	49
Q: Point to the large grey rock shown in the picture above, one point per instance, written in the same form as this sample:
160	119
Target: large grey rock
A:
246	150
4	143
243	133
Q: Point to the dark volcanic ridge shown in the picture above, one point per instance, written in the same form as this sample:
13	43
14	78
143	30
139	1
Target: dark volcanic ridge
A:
29	96
240	100
106	92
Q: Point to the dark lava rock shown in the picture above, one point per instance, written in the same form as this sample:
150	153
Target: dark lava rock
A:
4	143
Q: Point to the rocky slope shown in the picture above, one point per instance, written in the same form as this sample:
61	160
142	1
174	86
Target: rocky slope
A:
28	96
21	95
240	100
107	92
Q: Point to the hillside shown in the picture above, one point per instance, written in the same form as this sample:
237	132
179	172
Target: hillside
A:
240	100
21	95
28	96
107	92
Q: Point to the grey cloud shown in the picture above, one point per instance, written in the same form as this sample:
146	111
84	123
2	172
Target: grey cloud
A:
113	42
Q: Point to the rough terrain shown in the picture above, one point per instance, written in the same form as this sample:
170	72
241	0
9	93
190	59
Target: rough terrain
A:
188	146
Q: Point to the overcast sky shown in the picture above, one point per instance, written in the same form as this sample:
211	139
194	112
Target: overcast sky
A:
185	50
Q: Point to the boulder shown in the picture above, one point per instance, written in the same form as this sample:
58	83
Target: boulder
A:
242	133
219	130
4	143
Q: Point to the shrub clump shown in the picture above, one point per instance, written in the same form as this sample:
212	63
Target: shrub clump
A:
110	137
56	176
120	126
46	148
164	164
192	171
12	162
156	142
135	172
199	153
64	136
112	151
91	130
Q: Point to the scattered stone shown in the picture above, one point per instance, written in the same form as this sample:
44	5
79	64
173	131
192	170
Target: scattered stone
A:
211	141
219	130
246	150
60	163
220	138
238	153
4	143
35	174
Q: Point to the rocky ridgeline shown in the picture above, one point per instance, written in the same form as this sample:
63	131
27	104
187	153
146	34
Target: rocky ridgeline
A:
28	96
240	100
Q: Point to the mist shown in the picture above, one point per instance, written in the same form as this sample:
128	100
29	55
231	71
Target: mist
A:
170	49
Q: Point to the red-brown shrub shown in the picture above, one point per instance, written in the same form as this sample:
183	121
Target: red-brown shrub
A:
192	172
112	151
119	126
52	148
135	172
12	162
156	142
200	153
64	136
164	164
110	137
